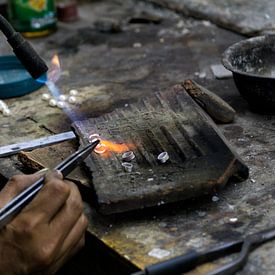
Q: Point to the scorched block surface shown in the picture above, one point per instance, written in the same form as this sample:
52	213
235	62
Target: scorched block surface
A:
200	159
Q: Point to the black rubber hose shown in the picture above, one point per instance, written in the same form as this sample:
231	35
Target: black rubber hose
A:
23	50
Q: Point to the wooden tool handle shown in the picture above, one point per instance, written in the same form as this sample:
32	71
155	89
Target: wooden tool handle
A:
216	107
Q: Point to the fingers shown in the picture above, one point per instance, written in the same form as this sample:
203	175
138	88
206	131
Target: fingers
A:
70	213
50	198
66	257
16	185
75	235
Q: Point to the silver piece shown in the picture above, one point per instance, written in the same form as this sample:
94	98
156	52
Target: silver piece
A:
63	97
60	104
163	157
45	97
52	102
128	167
93	137
73	92
72	99
128	156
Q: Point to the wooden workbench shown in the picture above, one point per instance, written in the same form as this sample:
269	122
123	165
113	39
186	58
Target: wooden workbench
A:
113	69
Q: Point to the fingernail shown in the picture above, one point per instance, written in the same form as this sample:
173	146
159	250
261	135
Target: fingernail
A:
59	174
42	171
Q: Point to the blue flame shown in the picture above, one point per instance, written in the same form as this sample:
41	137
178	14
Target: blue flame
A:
42	79
55	92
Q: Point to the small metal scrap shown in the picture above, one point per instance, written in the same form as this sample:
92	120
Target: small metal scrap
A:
163	157
128	167
128	156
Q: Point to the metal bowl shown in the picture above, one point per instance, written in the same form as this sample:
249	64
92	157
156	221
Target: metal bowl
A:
252	63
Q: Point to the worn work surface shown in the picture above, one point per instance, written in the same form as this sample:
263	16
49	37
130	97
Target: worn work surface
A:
110	71
249	17
199	160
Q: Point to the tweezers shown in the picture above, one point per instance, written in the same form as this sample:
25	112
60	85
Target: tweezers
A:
12	208
191	260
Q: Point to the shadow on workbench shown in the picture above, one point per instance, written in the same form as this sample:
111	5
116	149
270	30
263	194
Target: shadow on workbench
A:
96	259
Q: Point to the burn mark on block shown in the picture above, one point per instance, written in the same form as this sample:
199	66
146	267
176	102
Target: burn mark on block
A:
200	159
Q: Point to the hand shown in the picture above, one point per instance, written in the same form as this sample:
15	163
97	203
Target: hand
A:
47	232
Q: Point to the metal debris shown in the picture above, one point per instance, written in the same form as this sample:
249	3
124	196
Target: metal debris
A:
128	167
220	72
200	74
163	157
159	253
137	45
128	156
233	220
215	198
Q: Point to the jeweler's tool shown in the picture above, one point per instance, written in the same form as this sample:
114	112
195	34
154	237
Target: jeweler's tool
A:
23	50
36	143
189	261
10	210
215	106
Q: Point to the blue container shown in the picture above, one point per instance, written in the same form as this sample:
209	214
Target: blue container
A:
14	79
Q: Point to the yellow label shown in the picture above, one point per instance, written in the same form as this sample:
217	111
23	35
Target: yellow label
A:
38	5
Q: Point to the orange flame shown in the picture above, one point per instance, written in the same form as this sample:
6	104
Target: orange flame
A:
55	69
55	61
110	147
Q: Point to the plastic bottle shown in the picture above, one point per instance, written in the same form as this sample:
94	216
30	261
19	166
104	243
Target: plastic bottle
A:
33	18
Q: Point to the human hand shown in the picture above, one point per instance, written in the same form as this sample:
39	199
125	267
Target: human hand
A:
47	232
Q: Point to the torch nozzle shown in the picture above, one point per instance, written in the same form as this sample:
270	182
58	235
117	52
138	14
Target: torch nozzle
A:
29	58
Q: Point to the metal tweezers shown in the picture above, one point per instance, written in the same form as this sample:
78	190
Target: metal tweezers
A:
12	208
189	261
